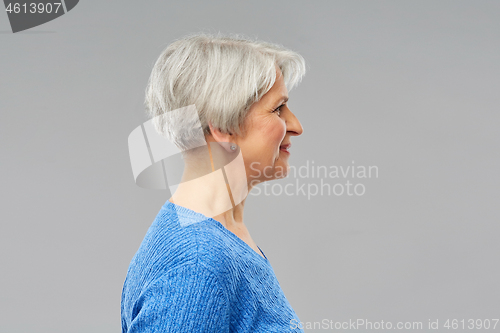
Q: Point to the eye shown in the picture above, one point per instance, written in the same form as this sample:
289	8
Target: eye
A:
278	109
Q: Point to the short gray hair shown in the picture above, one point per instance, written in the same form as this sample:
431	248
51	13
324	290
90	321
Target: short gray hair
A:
222	75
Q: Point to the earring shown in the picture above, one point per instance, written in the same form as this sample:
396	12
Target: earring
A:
233	147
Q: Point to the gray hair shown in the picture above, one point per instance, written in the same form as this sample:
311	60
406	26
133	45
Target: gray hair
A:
222	76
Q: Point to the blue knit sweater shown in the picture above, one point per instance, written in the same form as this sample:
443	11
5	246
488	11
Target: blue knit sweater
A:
191	274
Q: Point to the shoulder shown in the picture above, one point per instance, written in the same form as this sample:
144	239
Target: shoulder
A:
170	244
170	253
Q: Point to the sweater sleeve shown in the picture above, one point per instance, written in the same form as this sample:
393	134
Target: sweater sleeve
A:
188	299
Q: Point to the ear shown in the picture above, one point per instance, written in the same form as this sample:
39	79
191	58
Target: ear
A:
225	140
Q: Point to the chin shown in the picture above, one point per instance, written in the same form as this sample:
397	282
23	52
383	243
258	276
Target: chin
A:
281	171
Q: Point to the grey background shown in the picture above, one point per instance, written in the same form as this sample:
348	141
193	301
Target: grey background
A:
408	86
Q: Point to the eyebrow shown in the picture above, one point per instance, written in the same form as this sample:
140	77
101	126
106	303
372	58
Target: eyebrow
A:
283	99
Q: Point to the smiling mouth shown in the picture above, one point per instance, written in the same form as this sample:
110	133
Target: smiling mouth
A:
285	148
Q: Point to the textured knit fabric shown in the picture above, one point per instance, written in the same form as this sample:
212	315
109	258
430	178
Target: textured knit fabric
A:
191	274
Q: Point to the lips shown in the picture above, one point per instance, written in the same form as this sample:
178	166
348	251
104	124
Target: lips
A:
285	147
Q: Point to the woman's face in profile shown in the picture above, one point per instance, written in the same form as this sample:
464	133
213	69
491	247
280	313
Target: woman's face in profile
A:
269	127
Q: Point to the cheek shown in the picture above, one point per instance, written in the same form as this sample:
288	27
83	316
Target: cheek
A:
276	134
263	147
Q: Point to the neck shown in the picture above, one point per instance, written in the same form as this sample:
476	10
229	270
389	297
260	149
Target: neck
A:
205	191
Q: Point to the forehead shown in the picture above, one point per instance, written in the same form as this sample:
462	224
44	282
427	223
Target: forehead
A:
278	91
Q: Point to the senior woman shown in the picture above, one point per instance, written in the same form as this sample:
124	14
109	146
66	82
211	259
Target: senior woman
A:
223	102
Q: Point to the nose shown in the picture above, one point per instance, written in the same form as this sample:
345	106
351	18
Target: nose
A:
293	125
